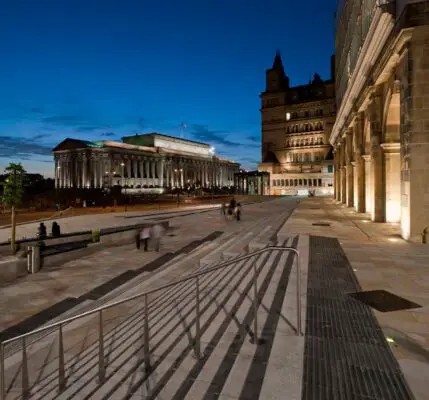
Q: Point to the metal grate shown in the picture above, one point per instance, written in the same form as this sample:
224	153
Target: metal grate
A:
384	301
346	355
321	224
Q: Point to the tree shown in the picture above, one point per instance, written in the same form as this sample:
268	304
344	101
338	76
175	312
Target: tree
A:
13	190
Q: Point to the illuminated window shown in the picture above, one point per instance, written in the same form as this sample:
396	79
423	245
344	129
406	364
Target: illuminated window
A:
287	116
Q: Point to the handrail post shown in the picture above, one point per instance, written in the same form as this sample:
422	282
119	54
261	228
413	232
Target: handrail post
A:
298	295
24	383
101	362
197	348
146	334
2	381
61	369
254	340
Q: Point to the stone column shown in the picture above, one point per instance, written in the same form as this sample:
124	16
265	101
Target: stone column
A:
359	171
141	172
392	174
85	171
102	171
343	175
349	168
367	167
161	173
378	181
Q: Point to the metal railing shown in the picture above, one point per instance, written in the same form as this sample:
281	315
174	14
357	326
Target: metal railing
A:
146	348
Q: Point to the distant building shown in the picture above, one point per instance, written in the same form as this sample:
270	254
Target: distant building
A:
139	162
381	135
296	124
252	182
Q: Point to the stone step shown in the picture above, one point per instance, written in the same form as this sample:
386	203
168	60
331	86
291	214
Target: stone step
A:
168	318
165	328
239	246
215	256
262	239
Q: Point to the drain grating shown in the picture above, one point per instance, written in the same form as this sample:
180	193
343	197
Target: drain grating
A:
384	301
346	355
321	224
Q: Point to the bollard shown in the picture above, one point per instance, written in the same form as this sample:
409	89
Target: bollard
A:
35	259
29	259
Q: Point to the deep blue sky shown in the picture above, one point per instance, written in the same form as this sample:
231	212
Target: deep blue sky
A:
99	69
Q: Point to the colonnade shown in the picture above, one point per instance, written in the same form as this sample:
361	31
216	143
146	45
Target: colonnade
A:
98	170
367	159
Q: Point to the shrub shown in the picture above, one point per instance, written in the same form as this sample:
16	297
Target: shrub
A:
95	236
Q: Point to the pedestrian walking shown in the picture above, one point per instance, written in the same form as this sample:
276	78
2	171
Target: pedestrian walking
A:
157	232
238	211
144	237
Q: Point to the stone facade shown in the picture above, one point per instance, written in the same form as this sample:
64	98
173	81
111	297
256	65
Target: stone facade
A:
140	161
296	125
381	136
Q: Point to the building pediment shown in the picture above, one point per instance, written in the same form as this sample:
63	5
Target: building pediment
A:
75	144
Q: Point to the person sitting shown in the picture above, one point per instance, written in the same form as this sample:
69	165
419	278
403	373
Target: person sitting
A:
42	231
56	232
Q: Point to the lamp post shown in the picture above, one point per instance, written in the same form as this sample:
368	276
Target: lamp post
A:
176	180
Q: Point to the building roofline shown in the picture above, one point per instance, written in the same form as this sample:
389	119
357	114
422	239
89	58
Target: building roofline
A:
162	135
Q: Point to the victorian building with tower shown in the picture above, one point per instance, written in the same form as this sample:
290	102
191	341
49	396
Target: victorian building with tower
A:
296	125
140	162
381	134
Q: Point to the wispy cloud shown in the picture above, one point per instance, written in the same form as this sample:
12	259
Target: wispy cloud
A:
64	120
204	134
20	147
255	139
108	134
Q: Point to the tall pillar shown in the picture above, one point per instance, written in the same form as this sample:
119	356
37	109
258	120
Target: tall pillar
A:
161	173
141	172
359	171
349	168
392	174
101	171
378	214
343	174
85	171
367	167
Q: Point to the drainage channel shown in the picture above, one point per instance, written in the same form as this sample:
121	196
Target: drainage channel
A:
346	354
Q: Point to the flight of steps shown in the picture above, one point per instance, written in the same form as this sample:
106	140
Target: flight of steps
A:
226	320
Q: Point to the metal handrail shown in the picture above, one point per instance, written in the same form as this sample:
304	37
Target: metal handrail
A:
102	369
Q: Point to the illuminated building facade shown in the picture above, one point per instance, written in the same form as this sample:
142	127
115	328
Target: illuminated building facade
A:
381	134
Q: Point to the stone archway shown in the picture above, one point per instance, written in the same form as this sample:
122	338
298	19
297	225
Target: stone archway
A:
392	158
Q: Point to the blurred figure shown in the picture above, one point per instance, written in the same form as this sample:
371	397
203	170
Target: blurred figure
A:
145	234
238	211
157	232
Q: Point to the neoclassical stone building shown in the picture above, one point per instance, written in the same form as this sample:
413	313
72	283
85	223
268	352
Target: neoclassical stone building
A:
296	125
381	135
141	161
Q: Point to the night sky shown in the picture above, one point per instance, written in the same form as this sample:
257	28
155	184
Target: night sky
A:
99	70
